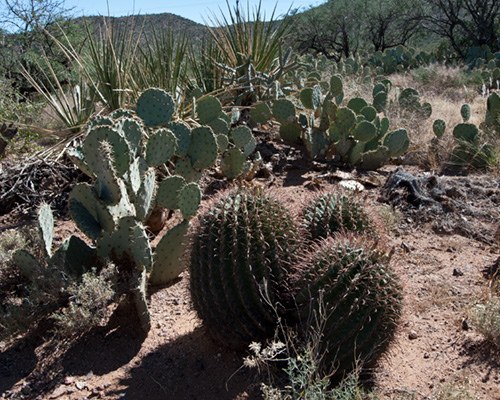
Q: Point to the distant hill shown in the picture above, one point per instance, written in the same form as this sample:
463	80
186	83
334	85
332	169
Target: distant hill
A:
158	21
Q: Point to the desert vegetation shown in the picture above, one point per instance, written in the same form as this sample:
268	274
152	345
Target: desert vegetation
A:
270	172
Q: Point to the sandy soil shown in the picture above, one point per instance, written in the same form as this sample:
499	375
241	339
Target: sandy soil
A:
442	275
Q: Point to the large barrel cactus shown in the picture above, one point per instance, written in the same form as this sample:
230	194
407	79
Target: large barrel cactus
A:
242	259
349	292
337	211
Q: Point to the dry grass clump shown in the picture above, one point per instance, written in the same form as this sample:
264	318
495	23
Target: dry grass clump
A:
485	316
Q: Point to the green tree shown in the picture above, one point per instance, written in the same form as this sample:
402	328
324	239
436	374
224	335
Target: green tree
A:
464	23
332	29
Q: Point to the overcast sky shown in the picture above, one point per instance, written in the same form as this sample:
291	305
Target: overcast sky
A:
194	10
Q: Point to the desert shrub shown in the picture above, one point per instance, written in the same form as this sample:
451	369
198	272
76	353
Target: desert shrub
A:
485	316
88	302
76	303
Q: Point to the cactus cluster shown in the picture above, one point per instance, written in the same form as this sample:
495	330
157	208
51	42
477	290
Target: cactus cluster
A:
409	101
121	154
356	133
472	146
249	271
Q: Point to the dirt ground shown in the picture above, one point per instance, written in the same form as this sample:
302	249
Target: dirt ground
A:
443	248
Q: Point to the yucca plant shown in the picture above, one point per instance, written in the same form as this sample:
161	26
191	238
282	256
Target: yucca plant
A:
248	44
163	62
110	62
72	104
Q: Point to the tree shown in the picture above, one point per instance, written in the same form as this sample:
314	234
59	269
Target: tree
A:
332	29
389	23
464	23
29	27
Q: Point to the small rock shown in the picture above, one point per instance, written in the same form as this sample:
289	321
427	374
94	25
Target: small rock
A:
413	335
80	385
60	391
69	380
457	272
405	247
465	324
427	355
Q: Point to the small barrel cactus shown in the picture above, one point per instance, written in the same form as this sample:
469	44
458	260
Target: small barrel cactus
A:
350	292
242	258
337	211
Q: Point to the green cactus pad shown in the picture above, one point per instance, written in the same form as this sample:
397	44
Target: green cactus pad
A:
493	109
78	158
384	127
379	87
222	143
121	113
356	104
374	159
465	112
380	101
141	302
409	99
219	126
261	113
120	152
232	163
128	242
168	259
26	263
290	131
138	168
466	132
76	256
89	214
311	97
99	121
364	131
424	111
161	147
284	111
208	109
318	144
144	199
244	139
182	132
203	148
439	128
189	200
133	133
345	119
107	185
355	286
184	168
369	113
155	107
355	154
336	85
168	192
397	142
46	227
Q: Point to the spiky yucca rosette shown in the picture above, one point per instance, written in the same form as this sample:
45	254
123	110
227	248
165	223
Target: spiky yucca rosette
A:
337	211
242	258
348	289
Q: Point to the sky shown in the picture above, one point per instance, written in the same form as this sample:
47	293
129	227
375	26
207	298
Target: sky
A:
195	10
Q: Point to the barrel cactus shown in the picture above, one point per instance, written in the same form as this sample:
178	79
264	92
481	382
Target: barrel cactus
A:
349	290
337	211
241	263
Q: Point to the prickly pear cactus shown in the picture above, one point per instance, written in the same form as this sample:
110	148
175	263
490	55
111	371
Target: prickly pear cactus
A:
241	263
350	289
